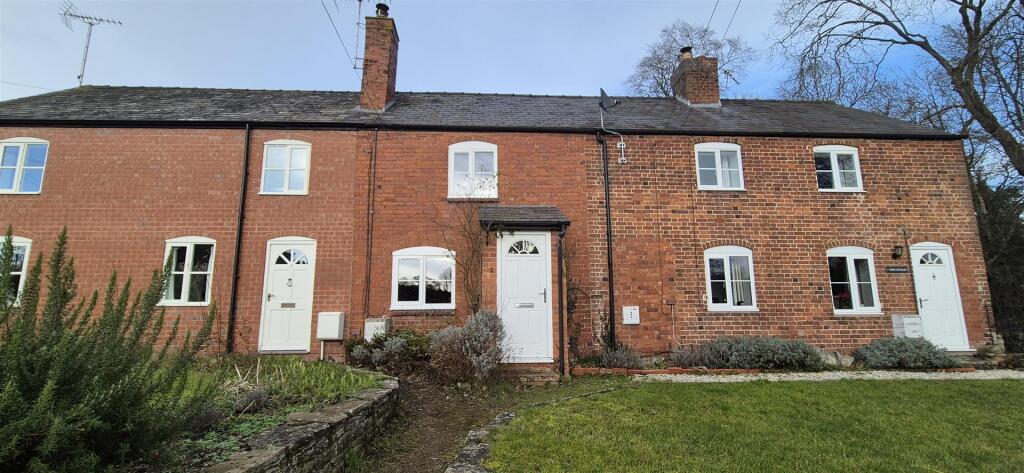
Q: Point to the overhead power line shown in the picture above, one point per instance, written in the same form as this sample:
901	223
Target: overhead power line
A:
26	85
733	17
713	10
338	35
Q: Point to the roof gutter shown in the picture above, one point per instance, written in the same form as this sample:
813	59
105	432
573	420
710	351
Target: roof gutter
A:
299	125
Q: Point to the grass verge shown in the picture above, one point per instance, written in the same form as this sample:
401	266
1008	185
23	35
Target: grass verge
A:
913	426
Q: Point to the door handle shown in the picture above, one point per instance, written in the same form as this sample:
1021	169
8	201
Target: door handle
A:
269	295
545	294
920	303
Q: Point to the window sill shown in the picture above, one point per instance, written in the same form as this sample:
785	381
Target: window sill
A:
843	191
721	189
3	192
857	313
284	193
734	310
472	199
182	304
433	311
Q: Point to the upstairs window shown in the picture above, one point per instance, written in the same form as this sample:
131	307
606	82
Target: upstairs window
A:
730	279
851	273
423	278
191	271
286	167
837	169
22	162
19	267
719	166
473	170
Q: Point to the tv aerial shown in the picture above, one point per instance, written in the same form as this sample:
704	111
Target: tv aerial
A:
69	15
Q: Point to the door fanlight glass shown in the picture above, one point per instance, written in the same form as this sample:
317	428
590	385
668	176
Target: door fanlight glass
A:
292	256
931	258
523	247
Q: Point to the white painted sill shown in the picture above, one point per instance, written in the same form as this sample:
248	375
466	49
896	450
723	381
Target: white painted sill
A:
284	193
182	304
722	189
857	313
7	192
741	310
843	191
421	307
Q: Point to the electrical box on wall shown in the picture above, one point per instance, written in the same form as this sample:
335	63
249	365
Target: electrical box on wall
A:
907	326
373	327
630	315
330	326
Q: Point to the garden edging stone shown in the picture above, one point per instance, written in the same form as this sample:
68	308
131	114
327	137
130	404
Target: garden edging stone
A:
319	440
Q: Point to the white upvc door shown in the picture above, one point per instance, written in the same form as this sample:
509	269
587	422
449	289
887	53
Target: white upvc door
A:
938	296
524	296
287	318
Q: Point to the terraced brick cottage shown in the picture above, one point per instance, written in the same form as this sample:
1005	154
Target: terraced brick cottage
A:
723	217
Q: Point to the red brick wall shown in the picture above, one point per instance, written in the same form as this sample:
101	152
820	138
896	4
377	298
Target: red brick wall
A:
663	223
696	80
380	64
122	192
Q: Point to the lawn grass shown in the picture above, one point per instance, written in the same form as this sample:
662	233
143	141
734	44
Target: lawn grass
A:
913	426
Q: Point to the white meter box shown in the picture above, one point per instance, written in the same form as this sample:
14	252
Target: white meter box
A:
630	315
907	326
330	326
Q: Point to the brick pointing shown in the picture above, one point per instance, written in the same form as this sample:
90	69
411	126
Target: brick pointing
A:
122	192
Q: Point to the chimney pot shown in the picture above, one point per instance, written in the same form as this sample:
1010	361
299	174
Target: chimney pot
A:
686	53
382	10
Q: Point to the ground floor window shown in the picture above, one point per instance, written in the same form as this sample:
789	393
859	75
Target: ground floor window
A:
851	273
19	267
730	279
191	260
423	278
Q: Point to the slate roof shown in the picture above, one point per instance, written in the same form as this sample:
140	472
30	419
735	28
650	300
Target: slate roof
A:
445	110
522	216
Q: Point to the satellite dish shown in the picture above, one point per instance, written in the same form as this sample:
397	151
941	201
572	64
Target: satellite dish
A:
607	102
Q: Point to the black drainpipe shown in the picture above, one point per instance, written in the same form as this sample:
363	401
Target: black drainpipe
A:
609	245
561	308
233	307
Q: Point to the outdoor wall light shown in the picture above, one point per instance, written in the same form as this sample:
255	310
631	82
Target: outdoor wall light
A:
897	251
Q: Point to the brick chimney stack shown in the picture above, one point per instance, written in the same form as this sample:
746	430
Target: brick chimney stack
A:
695	80
380	62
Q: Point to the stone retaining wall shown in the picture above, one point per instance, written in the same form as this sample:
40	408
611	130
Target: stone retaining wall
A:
321	440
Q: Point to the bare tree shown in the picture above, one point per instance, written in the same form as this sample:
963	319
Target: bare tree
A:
652	76
976	45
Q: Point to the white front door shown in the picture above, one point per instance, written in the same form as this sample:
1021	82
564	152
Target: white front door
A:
288	295
938	296
524	296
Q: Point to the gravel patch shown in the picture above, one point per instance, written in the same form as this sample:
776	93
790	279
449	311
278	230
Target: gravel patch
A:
830	376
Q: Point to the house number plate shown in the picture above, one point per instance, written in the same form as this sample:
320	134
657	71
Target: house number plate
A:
287	305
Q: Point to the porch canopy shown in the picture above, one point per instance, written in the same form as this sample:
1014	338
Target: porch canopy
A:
522	217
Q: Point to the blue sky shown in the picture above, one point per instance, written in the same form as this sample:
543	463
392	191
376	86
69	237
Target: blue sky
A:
551	47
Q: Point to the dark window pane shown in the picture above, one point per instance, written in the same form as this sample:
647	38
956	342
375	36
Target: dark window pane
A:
867	299
862	270
716	268
708	177
718	292
837	269
822	162
174	291
841	296
408	291
825	180
19	258
197	288
201	258
178	257
15	281
439	292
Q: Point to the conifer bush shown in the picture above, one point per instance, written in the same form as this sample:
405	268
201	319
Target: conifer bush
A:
87	384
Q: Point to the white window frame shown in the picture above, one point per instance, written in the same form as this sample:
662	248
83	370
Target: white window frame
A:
422	253
851	253
717	148
471	147
18	241
19	168
190	242
833	151
724	252
290	145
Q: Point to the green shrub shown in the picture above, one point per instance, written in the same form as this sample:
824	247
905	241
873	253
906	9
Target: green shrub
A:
904	353
86	385
766	353
620	357
471	352
397	352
